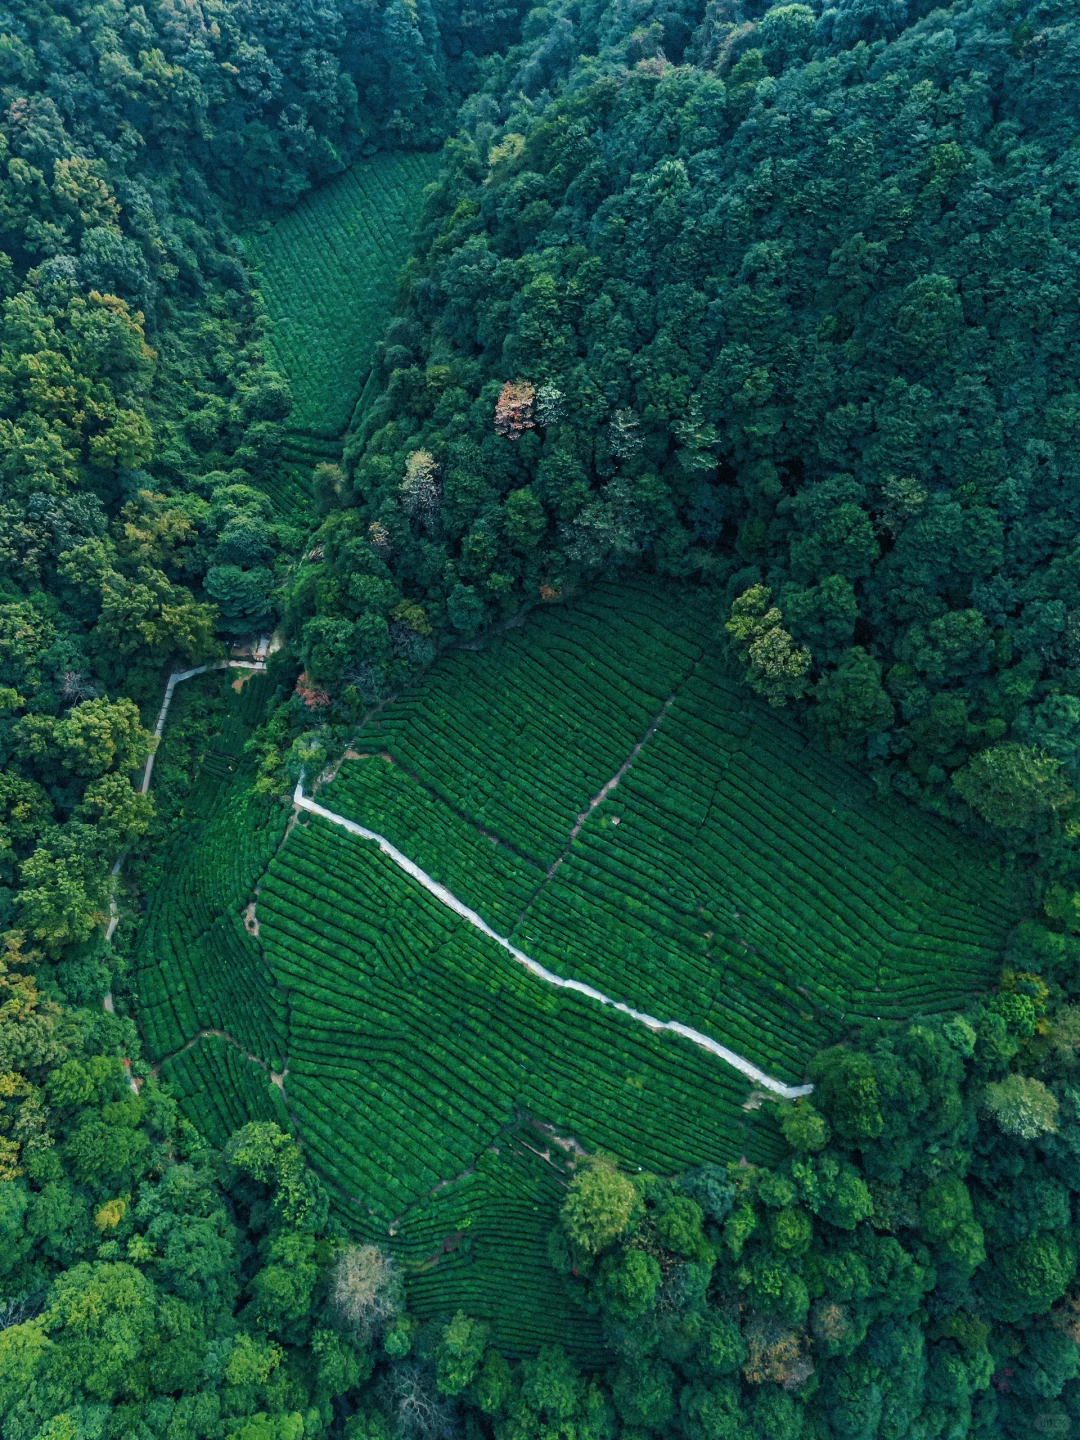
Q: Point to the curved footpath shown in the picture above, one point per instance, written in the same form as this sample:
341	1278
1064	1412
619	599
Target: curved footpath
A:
445	897
159	730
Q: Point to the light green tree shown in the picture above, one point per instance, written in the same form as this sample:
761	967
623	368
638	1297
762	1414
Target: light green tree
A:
600	1206
63	894
459	1353
1011	784
1022	1106
804	1128
628	1283
777	668
92	738
118	808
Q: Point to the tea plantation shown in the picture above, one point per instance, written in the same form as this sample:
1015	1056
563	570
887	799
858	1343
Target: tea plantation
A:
732	879
610	968
327	270
198	968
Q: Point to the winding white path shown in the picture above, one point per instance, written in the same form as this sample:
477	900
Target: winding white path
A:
745	1067
159	730
174	680
447	898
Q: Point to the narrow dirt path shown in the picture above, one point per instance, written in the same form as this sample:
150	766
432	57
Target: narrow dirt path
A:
159	728
144	789
609	785
174	680
445	897
277	1077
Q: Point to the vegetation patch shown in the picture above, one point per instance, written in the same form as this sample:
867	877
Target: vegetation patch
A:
197	967
731	879
328	271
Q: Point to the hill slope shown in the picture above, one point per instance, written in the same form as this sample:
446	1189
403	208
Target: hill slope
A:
327	271
732	879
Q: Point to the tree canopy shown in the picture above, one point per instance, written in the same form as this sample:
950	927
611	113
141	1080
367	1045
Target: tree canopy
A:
778	300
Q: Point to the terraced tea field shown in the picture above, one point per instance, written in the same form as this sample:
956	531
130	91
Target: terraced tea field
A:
198	966
599	790
327	273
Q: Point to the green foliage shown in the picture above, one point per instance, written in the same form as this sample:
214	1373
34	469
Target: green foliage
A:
327	273
626	1285
1030	1277
804	1128
785	407
644	1395
1011	785
92	738
777	669
848	1094
1022	1106
263	1152
600	1206
945	1206
492	1385
64	887
850	702
678	1224
459	1353
551	1393
281	1292
722	1349
753	298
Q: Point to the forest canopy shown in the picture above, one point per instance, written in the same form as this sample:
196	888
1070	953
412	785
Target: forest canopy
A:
793	313
775	300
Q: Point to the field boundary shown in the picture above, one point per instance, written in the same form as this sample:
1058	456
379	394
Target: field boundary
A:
607	788
451	901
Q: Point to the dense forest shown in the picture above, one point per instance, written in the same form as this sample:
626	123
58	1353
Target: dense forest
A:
778	301
791	317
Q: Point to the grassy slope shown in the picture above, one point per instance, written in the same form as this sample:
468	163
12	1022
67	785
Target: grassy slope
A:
196	965
735	880
752	887
414	1045
328	271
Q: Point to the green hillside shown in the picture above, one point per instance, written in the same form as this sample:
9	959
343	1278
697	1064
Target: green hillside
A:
327	271
603	961
732	880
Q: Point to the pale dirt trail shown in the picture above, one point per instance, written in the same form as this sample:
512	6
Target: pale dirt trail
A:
159	730
277	1077
174	680
445	897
